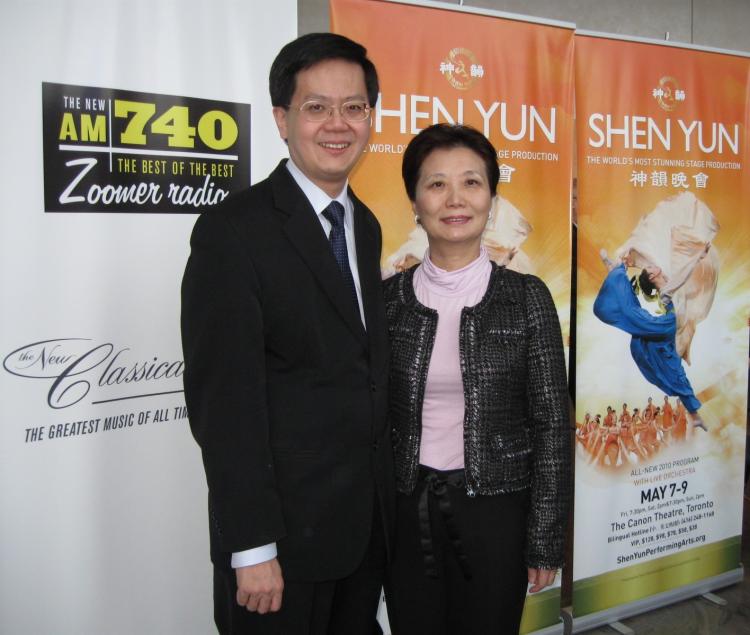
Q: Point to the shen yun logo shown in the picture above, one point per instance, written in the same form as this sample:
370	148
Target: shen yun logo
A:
76	366
668	93
461	68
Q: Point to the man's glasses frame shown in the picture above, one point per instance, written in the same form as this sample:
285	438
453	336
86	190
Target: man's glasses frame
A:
318	111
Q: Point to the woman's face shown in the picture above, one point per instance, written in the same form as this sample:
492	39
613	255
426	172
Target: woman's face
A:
655	275
453	198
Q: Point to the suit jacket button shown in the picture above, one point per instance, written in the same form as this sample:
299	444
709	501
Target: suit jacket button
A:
373	387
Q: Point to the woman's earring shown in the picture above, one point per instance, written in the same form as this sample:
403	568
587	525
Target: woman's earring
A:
416	219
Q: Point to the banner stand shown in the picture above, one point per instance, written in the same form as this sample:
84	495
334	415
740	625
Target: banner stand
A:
659	600
555	629
658	504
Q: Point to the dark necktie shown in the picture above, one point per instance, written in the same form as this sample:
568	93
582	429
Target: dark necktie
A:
335	215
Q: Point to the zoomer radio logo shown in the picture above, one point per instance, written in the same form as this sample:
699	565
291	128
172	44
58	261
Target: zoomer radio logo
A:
110	150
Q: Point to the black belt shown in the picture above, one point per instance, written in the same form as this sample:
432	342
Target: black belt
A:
437	483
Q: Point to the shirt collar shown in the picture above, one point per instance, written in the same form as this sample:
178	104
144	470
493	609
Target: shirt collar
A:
317	197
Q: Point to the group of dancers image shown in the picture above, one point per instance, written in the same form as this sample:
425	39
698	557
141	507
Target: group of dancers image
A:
630	437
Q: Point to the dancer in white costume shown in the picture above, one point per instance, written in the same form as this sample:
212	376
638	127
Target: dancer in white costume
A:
674	237
672	246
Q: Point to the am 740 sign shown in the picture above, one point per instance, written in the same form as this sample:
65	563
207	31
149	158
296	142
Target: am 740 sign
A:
108	150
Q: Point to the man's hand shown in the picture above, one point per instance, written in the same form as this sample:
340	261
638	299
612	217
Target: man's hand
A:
540	578
260	586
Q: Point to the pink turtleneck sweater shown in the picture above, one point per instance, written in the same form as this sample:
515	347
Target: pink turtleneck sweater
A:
442	445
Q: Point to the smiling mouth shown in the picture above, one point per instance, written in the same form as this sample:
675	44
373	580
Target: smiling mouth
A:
456	220
334	146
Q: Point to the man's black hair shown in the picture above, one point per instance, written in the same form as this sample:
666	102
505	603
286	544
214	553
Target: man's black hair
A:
311	49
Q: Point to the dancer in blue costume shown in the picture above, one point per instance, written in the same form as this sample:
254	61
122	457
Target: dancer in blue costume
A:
653	336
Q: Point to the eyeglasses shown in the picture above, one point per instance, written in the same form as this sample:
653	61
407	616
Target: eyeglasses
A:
349	110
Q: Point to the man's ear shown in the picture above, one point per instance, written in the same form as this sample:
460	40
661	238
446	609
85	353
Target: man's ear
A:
280	115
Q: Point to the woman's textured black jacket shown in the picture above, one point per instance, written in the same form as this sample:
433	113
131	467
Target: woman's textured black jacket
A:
516	422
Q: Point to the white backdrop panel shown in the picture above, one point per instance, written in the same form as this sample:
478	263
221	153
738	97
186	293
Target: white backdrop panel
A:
107	532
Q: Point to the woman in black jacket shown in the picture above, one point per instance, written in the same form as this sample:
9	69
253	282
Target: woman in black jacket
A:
478	408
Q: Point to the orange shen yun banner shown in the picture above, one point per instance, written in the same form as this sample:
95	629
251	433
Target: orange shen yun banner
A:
662	317
510	79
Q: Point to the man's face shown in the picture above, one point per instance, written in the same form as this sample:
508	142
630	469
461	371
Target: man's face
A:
325	151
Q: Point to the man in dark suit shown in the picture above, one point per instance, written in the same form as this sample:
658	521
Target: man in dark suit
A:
285	346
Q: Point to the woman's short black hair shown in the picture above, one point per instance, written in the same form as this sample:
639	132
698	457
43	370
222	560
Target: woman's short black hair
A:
443	136
311	49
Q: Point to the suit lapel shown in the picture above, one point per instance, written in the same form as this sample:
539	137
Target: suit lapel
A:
305	233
